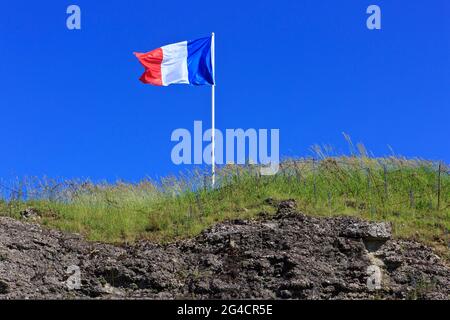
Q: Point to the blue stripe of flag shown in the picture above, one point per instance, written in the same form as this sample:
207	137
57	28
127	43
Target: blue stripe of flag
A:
199	62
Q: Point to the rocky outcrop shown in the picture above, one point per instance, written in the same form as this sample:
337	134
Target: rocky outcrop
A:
288	256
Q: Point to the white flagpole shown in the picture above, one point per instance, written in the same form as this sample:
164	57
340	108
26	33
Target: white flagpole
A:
213	162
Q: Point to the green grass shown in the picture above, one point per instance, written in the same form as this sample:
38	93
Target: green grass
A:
404	192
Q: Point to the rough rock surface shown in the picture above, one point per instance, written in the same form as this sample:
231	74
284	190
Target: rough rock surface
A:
289	256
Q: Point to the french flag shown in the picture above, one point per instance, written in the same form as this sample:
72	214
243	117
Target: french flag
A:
186	62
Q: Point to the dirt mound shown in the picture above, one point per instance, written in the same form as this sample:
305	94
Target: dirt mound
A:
287	256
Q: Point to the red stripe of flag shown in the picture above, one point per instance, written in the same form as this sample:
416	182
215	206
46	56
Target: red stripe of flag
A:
152	63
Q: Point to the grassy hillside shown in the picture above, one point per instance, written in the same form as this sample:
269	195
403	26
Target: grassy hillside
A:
412	194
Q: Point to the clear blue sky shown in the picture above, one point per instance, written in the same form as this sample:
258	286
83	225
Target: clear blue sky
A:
72	104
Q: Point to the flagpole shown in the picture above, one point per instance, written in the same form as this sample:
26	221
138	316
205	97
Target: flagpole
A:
213	126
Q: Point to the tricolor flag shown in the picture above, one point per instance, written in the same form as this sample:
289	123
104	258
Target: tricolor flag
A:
186	62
